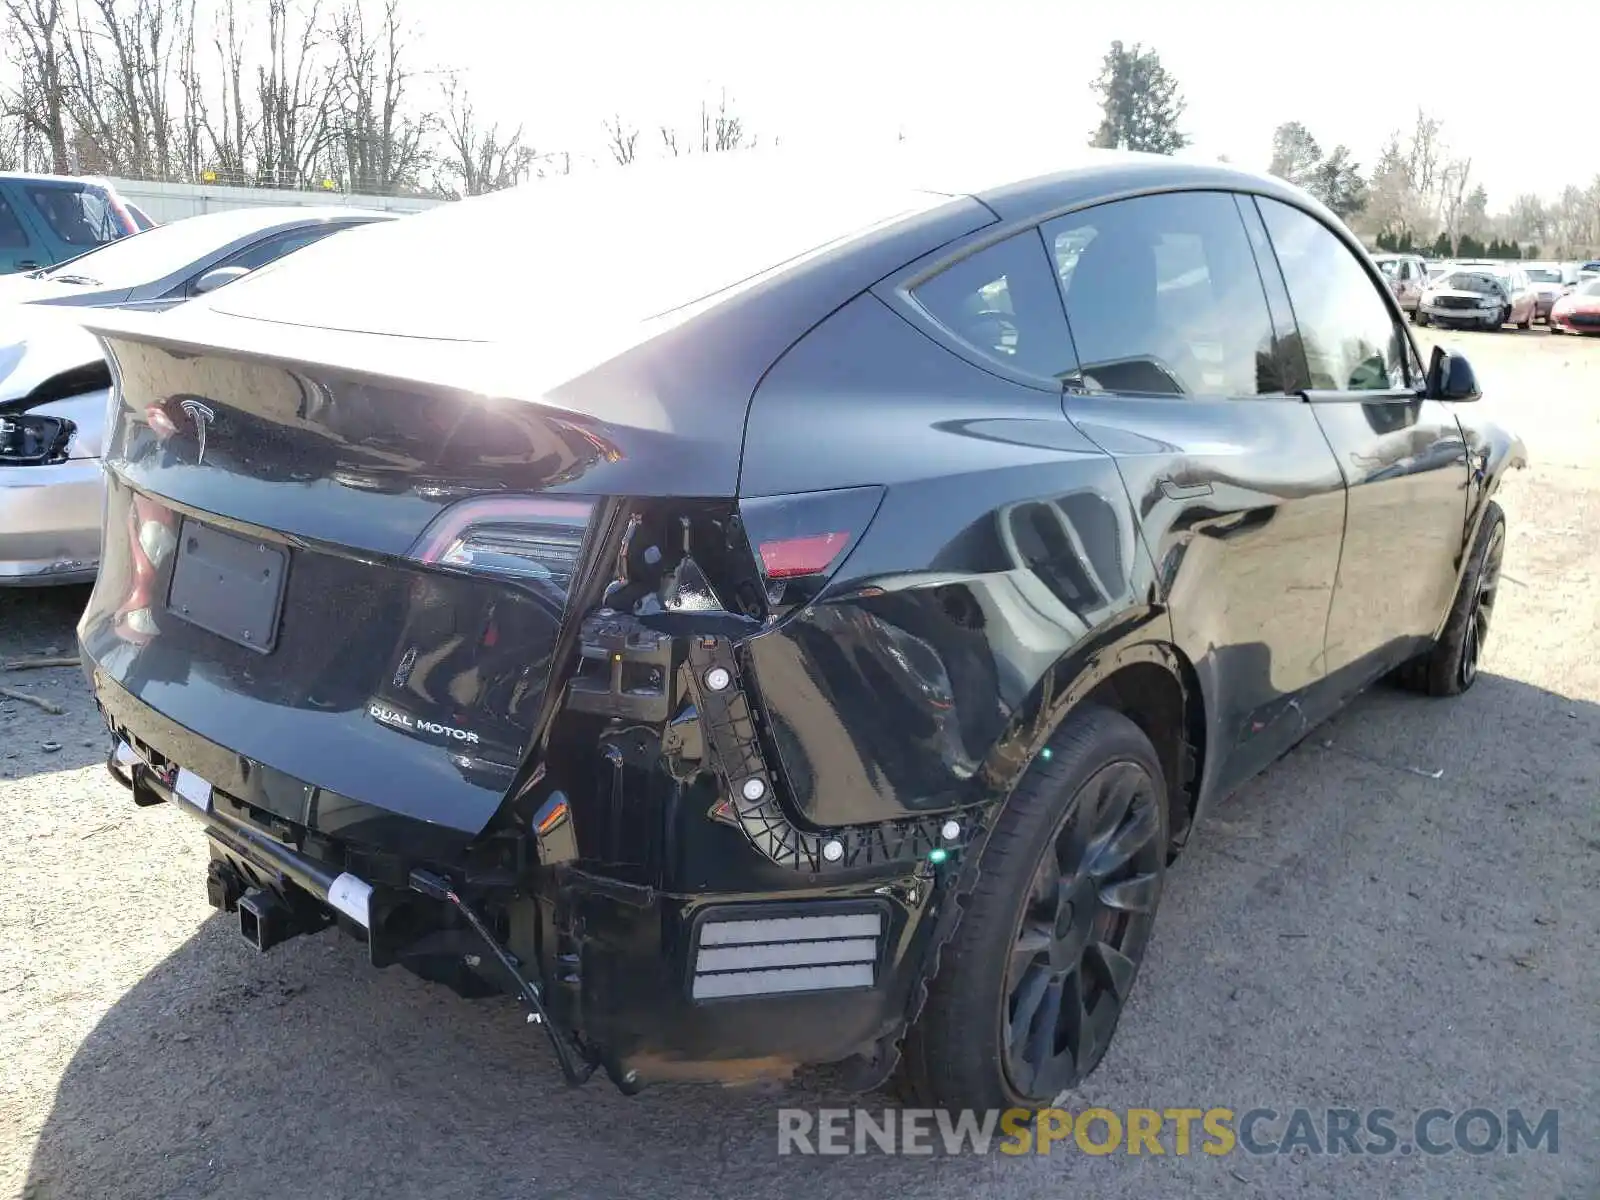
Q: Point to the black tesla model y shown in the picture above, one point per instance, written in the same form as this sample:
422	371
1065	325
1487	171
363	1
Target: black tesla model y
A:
763	614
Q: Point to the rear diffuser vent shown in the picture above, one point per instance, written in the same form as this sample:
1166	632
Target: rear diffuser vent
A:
755	954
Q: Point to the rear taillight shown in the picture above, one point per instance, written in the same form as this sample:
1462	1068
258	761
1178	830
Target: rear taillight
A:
534	539
800	540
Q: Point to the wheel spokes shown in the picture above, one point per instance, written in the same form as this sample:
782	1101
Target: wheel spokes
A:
1138	894
1113	969
1126	842
1029	996
1033	942
1041	1043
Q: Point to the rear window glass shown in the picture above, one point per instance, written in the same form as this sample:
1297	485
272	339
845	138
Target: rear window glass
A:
1540	275
1002	302
11	235
574	259
80	215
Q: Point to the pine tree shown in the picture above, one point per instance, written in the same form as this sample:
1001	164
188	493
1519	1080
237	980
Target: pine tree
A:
1140	102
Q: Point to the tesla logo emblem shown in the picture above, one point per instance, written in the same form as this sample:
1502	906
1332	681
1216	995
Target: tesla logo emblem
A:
402	673
202	417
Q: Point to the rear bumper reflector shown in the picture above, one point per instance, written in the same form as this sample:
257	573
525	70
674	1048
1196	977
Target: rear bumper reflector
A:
769	983
764	956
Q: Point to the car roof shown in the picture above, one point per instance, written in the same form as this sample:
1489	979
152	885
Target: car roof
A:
229	223
626	277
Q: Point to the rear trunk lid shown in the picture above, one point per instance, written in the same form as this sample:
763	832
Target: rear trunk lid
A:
288	573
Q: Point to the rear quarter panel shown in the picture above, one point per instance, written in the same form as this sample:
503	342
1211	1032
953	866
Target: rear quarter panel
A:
1002	561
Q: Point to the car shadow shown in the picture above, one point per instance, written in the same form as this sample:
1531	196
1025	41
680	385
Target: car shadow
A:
306	1072
41	623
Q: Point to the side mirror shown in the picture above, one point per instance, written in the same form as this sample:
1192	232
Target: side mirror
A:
217	277
1450	377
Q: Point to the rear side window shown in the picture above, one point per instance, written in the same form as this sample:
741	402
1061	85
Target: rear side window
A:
273	248
1350	339
1003	303
11	235
79	215
1163	297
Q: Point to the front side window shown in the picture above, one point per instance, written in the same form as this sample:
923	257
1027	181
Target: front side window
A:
1163	297
1350	339
1003	303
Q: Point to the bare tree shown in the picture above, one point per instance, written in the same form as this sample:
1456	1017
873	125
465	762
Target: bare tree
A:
39	102
622	140
382	146
1453	199
225	147
481	159
295	92
723	129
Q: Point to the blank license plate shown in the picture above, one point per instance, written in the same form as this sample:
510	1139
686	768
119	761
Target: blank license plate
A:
229	585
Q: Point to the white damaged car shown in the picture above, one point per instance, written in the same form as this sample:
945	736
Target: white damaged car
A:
54	387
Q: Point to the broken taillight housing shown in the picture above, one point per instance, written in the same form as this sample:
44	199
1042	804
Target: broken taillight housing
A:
800	540
535	540
29	439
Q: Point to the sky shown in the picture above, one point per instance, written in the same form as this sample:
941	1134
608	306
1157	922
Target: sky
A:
826	71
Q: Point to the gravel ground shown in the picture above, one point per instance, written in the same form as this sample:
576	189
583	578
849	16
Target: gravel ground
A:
1349	930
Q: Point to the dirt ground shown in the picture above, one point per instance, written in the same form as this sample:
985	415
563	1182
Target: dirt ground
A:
1403	913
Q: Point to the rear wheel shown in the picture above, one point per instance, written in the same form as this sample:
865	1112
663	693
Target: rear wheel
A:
1421	317
1032	983
1451	666
1527	323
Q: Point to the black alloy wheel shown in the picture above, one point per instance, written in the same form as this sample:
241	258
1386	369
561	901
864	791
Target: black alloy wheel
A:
1083	932
1032	983
1483	597
1451	666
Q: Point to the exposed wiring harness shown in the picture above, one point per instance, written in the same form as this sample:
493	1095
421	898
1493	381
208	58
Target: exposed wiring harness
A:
438	888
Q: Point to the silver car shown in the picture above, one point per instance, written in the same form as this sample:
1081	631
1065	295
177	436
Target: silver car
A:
54	387
54	382
1407	275
1550	282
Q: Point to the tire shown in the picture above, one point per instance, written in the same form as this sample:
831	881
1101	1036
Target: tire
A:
1553	327
1051	937
1451	666
1528	324
1421	318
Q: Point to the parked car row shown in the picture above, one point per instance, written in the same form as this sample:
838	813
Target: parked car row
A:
54	379
1483	293
776	611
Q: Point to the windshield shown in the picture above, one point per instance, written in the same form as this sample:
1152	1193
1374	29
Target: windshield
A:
158	252
1389	266
1472	281
1541	275
1592	288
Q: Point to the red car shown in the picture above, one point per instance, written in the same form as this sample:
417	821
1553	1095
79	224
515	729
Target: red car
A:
1579	311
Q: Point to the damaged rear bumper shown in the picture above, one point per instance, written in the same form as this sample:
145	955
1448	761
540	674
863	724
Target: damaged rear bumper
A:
720	984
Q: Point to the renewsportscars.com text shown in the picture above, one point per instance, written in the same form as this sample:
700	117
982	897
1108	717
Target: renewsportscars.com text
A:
1174	1131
